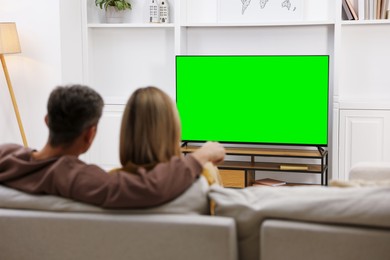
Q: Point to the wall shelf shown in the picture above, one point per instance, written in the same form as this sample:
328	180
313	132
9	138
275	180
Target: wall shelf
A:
366	22
266	24
130	25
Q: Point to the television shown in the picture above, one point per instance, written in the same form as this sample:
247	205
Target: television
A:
280	99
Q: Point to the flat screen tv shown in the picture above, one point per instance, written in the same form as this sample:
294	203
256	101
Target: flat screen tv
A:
254	99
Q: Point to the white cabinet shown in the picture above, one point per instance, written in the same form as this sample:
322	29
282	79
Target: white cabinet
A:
364	136
118	58
363	91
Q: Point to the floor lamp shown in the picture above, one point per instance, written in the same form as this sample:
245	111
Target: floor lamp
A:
9	43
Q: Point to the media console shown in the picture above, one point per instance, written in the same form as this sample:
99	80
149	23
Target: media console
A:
239	174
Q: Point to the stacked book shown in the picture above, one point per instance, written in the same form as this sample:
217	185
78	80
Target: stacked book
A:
269	182
366	9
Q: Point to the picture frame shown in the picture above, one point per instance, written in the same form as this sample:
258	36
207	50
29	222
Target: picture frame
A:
252	11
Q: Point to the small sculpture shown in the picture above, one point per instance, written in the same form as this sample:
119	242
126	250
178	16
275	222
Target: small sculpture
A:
154	12
164	11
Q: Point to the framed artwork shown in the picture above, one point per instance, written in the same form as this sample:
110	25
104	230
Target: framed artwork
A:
259	10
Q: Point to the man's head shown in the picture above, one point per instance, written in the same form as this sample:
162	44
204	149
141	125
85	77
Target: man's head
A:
71	110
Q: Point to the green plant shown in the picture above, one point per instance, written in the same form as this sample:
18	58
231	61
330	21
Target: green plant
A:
121	5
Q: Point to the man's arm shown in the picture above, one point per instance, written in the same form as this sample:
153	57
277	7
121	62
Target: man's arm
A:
143	189
6	149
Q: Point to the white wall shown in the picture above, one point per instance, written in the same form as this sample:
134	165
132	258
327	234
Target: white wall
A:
34	72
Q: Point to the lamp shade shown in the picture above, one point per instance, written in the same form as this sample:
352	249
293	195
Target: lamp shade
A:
9	40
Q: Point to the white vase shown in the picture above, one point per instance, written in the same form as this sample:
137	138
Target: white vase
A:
113	15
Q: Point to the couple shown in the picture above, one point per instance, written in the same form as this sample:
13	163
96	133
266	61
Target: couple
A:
153	171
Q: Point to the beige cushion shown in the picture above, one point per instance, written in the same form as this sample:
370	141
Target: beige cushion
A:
371	171
192	201
367	206
360	183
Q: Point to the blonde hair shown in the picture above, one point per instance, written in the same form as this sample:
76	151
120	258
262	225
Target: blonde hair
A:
150	131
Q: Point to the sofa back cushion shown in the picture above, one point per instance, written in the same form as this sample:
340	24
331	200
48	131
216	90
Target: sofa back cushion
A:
193	201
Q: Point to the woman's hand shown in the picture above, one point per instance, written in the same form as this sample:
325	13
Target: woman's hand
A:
210	152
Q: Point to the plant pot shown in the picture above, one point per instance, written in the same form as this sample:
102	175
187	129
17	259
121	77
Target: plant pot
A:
113	15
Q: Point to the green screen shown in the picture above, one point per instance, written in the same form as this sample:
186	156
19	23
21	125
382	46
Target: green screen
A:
253	99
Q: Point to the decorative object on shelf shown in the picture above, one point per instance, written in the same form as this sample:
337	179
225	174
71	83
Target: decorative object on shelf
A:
114	9
154	11
9	43
164	11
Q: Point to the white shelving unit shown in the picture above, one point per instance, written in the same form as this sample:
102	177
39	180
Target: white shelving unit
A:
118	58
363	93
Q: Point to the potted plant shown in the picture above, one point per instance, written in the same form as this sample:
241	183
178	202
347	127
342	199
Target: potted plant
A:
114	9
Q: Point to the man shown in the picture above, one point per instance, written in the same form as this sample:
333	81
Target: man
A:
72	119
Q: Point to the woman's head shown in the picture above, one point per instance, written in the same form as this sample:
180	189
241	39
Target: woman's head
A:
150	131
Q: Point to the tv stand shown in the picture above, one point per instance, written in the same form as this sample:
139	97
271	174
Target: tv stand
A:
247	168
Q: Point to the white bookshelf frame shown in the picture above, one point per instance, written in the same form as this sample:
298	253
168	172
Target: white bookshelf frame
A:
329	34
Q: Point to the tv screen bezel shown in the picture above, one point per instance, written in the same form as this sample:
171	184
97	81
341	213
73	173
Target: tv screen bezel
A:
264	143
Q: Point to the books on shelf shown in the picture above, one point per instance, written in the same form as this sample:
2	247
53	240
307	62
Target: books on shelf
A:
385	9
269	182
349	11
366	9
361	9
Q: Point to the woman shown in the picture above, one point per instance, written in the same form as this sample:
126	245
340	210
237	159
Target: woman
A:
151	134
150	131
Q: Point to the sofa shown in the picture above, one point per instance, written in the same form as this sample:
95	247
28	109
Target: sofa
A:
348	221
45	227
252	223
308	222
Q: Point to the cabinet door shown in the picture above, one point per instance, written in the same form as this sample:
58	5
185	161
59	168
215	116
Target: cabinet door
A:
233	178
364	136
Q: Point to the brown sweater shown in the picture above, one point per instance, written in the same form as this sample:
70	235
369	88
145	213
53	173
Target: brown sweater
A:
68	177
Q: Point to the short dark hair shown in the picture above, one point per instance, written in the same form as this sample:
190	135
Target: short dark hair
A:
70	110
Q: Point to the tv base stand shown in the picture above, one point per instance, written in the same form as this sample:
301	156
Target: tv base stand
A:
239	174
